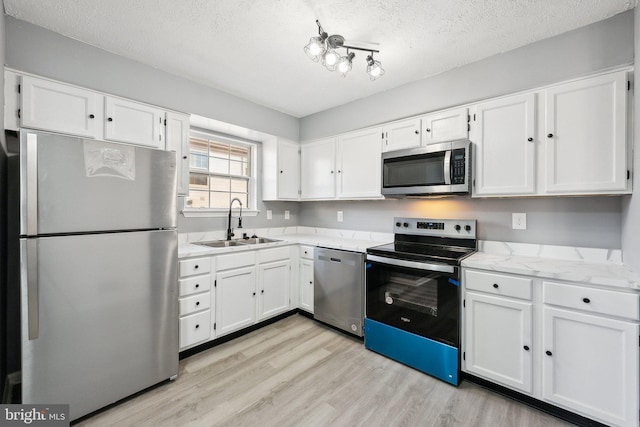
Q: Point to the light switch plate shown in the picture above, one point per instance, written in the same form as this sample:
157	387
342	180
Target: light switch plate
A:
286	215
519	221
269	214
340	216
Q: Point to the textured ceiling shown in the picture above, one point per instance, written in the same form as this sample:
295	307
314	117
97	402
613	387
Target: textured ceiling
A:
253	48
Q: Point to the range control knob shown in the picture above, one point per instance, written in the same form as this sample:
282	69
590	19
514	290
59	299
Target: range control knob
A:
398	224
406	224
457	227
467	227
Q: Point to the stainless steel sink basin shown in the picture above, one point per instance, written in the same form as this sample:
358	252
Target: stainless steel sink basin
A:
258	240
221	243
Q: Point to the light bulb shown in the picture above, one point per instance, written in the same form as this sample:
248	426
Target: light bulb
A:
374	68
330	59
315	48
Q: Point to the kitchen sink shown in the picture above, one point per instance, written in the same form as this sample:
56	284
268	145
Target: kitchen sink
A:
258	240
221	243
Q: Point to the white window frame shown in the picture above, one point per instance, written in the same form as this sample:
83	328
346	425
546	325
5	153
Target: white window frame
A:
250	210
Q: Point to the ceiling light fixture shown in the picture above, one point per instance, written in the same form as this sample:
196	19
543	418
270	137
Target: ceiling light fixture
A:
324	48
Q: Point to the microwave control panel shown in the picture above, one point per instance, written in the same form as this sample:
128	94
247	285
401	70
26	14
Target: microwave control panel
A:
458	167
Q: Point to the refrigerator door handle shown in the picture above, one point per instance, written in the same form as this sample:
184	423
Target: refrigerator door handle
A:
32	184
33	298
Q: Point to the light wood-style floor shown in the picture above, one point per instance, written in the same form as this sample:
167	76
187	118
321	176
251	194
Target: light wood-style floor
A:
297	372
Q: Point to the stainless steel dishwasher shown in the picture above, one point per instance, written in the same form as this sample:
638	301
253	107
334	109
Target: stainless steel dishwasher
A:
338	292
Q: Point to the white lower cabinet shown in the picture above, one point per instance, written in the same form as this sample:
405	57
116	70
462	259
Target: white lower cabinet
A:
194	283
236	299
571	345
273	284
305	271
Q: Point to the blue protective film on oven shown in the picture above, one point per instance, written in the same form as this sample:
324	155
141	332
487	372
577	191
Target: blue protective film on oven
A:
454	282
367	265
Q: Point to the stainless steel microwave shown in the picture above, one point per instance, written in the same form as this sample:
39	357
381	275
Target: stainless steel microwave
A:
436	169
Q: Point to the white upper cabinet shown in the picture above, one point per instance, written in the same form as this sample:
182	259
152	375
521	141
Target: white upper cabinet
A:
129	121
585	136
178	141
401	135
57	107
504	137
359	164
318	166
445	126
280	170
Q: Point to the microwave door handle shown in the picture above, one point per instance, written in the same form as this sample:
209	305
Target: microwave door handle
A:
447	167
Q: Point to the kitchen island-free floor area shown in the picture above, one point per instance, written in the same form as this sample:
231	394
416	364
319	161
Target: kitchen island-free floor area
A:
297	372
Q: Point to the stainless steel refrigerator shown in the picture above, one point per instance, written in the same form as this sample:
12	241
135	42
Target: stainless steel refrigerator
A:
97	247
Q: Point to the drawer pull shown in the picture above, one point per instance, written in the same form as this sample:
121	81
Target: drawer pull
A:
197	326
586	300
195	267
495	285
526	347
197	285
548	353
197	303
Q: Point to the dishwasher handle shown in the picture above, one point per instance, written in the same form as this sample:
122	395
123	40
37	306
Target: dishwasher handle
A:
329	258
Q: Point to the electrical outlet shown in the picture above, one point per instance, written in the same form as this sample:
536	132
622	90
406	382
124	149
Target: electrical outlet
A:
269	214
519	221
287	215
340	216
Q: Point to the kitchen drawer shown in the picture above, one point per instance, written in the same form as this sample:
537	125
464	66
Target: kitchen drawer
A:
306	252
194	285
601	301
195	303
498	284
189	267
237	260
195	328
274	254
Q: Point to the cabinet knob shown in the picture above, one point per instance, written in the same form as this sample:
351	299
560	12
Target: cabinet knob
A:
529	139
586	300
331	171
110	119
197	326
526	347
195	267
417	132
428	130
280	171
254	294
197	303
197	285
495	285
184	157
339	171
548	353
549	135
305	252
91	116
310	282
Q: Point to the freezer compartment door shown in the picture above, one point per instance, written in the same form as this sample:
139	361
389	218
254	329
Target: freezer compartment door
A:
99	317
75	185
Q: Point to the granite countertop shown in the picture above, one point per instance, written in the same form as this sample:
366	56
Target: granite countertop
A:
357	241
600	267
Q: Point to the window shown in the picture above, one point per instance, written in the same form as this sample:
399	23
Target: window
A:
220	168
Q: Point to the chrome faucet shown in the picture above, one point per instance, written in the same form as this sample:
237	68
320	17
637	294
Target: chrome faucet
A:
229	229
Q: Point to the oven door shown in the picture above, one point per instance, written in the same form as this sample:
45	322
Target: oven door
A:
417	297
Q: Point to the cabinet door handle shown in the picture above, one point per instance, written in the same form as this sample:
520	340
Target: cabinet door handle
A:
548	353
586	300
526	347
495	285
91	116
110	119
549	135
529	139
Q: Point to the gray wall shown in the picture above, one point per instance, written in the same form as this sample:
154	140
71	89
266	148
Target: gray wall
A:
577	221
39	51
595	47
631	205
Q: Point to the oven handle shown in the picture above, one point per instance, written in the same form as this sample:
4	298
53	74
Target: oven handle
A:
412	264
